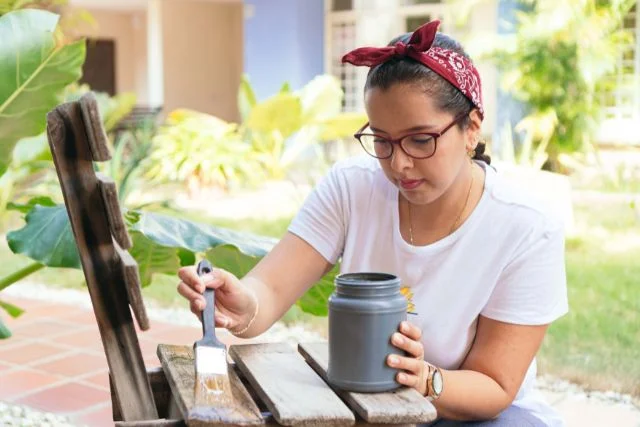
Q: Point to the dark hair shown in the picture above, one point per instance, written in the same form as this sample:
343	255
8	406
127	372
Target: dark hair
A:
406	70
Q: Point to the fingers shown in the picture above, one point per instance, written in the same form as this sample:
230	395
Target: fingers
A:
411	371
195	298
408	364
411	330
409	380
413	348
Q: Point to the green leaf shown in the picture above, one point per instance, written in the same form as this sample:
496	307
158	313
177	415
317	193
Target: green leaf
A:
246	98
230	259
315	300
342	126
179	233
46	238
4	331
153	258
33	71
281	112
11	309
186	257
321	98
26	207
30	149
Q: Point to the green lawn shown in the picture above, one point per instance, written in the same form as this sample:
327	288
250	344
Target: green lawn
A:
597	344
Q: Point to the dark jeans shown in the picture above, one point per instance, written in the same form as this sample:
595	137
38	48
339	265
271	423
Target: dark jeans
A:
511	417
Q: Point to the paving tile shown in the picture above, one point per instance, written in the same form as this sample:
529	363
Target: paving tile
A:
582	412
44	328
22	381
102	417
70	397
178	335
74	365
30	352
85	339
100	380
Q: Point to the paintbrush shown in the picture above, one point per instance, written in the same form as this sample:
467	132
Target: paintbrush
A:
212	370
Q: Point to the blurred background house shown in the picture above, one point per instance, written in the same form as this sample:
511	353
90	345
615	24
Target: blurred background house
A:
192	53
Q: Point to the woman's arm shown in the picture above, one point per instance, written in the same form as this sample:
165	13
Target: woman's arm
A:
282	277
492	372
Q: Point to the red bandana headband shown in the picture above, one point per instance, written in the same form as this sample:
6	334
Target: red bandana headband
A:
455	68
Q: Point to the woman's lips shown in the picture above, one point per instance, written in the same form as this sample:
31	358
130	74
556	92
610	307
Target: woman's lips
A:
410	184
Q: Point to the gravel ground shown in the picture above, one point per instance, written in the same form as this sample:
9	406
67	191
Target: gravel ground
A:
14	415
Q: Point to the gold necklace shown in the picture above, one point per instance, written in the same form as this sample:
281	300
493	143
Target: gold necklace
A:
455	224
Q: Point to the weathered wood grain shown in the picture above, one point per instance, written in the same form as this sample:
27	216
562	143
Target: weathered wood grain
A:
294	394
114	215
178	365
405	405
129	274
96	136
67	135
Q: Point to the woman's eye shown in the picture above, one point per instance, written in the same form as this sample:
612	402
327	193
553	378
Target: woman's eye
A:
421	139
379	140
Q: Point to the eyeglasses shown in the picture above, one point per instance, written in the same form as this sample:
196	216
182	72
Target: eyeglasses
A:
416	145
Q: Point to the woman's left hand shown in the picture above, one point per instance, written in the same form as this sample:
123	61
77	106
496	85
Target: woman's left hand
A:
413	368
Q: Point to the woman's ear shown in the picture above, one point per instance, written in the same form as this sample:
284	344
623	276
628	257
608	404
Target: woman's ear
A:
473	131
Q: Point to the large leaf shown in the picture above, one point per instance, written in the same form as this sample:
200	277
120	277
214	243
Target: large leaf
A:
314	301
11	309
281	113
179	233
46	238
153	258
161	244
4	331
33	71
229	258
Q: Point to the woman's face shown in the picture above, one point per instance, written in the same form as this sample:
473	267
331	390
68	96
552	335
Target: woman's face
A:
404	109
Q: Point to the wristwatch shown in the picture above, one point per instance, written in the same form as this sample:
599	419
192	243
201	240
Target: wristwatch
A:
435	383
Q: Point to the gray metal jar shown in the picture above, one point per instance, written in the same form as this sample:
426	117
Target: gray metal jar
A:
364	312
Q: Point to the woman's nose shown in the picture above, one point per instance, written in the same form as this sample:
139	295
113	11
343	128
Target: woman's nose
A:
400	160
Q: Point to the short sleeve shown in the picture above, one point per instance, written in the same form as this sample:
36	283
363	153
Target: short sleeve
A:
322	220
532	288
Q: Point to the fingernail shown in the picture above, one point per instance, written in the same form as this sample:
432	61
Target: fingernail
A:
405	327
402	377
393	360
398	339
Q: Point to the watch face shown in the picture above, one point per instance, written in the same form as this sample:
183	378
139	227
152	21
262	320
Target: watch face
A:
437	382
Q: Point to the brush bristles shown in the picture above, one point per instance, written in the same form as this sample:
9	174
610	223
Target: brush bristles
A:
211	360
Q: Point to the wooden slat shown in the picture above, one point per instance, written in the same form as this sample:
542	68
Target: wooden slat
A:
131	277
110	199
96	136
154	423
74	166
294	394
161	395
178	365
405	405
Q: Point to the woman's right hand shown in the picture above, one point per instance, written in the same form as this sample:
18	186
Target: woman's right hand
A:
235	302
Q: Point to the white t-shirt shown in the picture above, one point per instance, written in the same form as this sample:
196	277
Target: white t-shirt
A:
506	261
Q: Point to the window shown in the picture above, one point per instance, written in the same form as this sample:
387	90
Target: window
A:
342	41
413	22
621	98
340	5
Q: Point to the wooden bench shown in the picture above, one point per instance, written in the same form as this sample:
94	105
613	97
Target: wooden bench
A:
274	384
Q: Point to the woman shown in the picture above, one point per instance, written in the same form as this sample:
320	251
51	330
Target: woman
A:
484	265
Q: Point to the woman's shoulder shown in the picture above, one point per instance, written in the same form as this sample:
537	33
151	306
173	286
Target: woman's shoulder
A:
517	204
356	172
